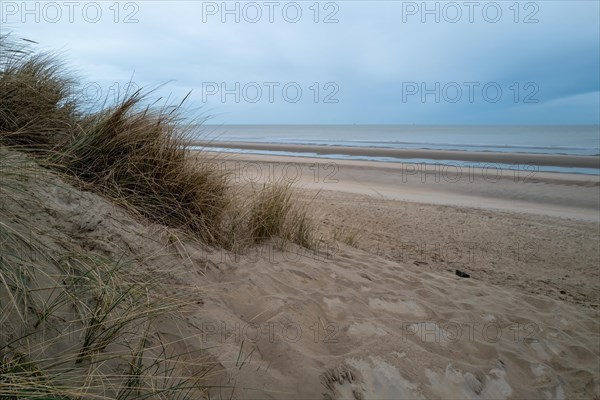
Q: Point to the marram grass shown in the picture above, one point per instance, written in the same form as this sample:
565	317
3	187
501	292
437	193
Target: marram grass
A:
81	326
133	152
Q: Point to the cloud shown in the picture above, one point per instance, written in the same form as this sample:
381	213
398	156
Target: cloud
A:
370	53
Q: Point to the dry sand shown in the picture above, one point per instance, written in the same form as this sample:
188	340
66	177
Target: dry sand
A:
538	232
553	194
530	243
352	323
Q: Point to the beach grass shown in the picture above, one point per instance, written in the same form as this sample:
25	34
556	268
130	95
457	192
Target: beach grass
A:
79	324
134	152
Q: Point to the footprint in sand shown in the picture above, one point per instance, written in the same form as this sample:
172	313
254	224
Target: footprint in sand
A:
453	383
365	329
374	378
399	306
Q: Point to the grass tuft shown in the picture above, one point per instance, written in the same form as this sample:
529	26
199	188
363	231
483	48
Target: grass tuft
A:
275	213
137	156
73	325
133	153
76	326
349	235
37	108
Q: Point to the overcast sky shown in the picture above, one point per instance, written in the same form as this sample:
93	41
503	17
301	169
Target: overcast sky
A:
341	62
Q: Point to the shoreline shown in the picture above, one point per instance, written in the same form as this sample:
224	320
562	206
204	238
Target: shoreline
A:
556	160
572	196
395	166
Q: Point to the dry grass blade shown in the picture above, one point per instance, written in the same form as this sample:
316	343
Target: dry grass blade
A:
138	157
70	320
274	213
79	325
37	108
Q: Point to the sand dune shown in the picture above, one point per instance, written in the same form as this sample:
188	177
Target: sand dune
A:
405	326
358	326
342	322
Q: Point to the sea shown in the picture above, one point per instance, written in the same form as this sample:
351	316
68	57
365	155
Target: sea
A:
576	140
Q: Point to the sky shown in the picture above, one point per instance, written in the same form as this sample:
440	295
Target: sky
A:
332	62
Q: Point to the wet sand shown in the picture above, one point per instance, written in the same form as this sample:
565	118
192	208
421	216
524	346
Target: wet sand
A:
557	160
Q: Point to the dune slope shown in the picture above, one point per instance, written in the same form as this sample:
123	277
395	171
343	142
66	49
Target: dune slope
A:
339	323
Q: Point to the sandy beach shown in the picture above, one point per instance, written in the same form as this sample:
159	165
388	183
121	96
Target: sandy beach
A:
389	294
559	160
377	310
291	218
528	242
527	191
521	229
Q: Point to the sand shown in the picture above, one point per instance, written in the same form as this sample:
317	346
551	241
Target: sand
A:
523	325
474	156
554	194
348	322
